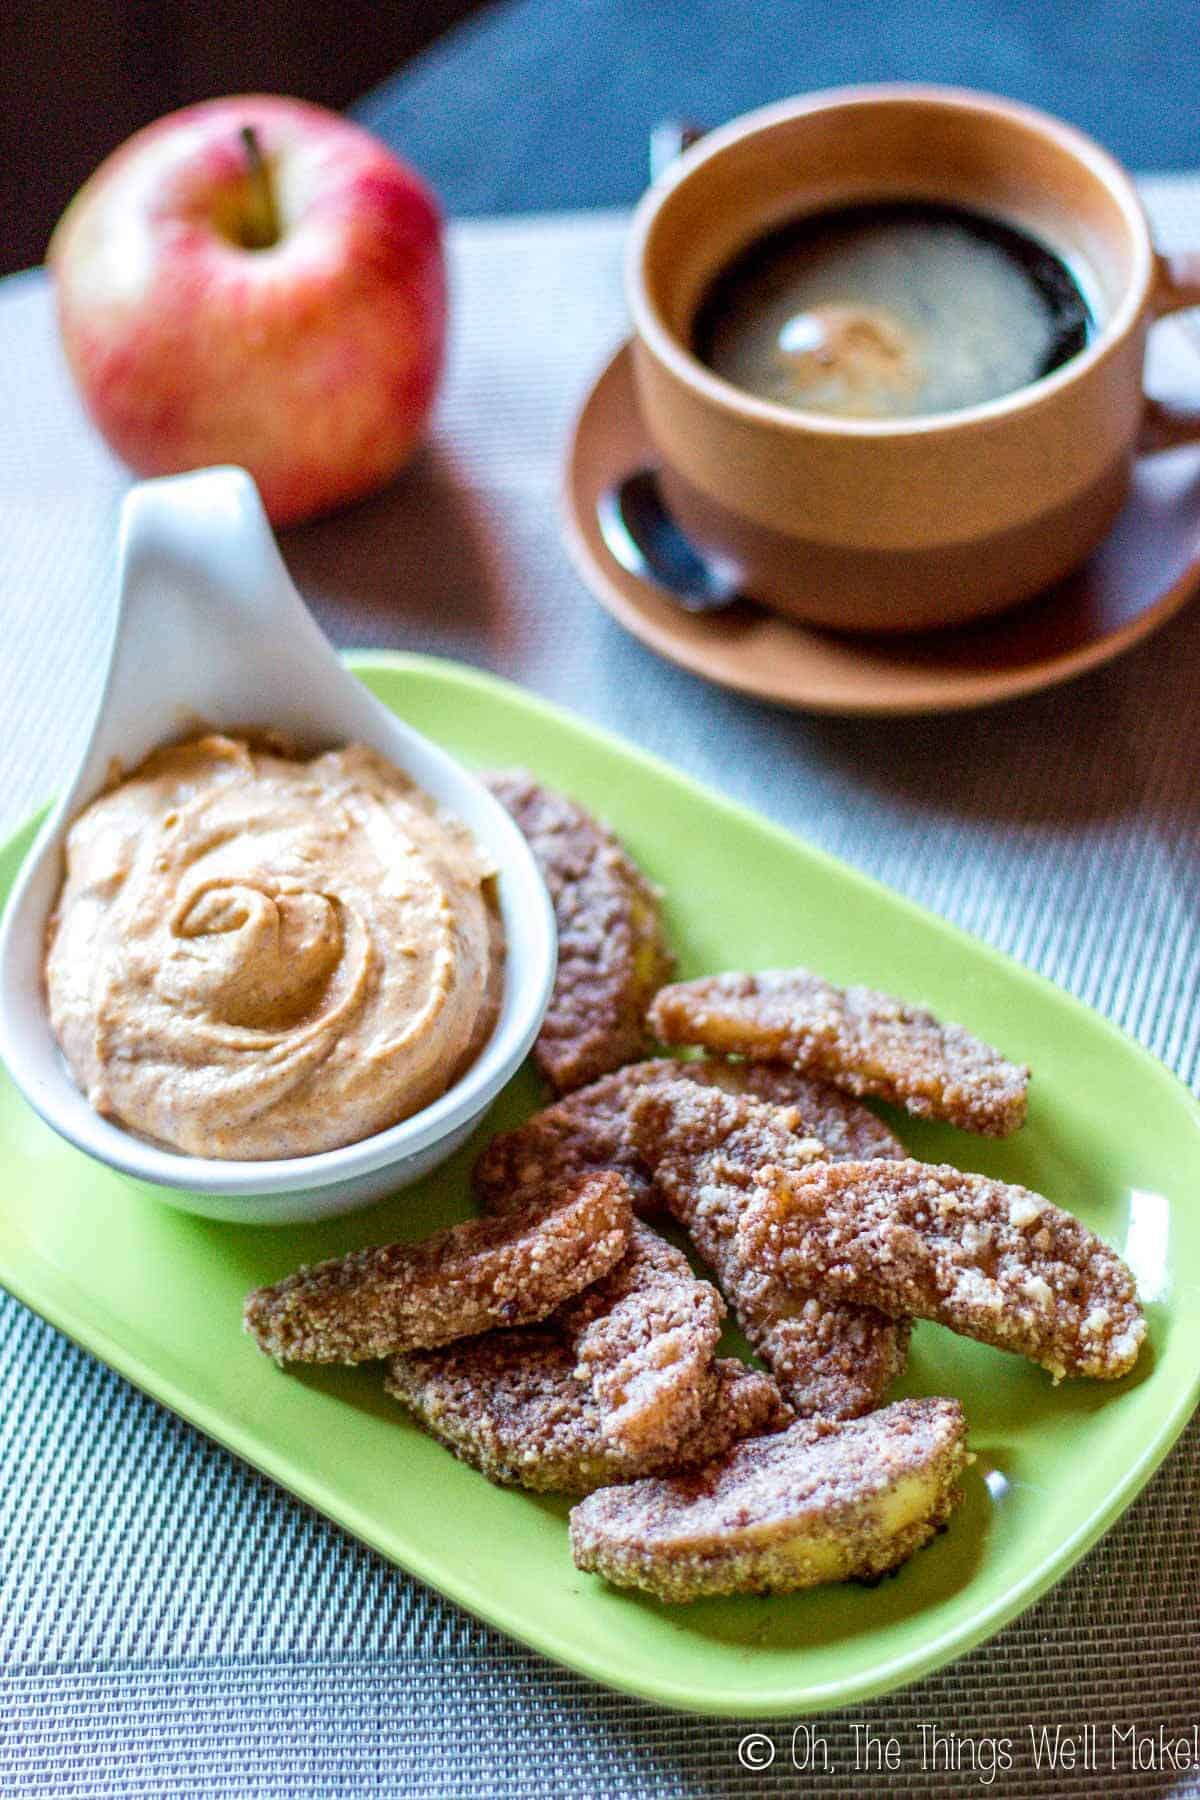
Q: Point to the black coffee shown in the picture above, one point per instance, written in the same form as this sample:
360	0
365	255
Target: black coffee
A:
891	310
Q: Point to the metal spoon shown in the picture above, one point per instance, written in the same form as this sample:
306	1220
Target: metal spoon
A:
641	535
668	140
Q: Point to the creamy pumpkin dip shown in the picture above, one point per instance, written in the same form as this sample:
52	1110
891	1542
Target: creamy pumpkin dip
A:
256	956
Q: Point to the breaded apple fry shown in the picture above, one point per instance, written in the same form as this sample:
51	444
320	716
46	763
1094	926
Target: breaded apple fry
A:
822	1501
586	1130
704	1147
848	1130
990	1260
612	954
861	1040
589	1129
510	1270
510	1404
645	1338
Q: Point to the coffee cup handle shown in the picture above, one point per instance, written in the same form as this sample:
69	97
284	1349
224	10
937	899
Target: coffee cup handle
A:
1176	288
1176	283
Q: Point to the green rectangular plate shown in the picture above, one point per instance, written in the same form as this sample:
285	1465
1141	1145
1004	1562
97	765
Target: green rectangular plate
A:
1111	1135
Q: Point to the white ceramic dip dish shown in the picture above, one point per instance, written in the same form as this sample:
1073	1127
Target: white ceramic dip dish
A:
210	632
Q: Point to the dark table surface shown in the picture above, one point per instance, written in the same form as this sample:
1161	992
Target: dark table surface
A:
547	103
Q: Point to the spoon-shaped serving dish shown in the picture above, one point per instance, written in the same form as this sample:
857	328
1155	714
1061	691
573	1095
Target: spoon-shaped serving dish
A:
210	632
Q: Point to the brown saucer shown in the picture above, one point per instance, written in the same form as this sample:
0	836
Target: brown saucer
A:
1144	572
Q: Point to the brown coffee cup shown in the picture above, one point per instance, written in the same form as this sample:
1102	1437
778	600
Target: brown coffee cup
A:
898	524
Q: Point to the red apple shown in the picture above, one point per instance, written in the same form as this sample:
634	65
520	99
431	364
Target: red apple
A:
256	281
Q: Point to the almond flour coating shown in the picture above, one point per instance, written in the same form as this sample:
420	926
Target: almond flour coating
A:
587	1130
612	955
856	1038
512	1270
991	1261
644	1337
590	1129
822	1501
510	1404
849	1130
705	1147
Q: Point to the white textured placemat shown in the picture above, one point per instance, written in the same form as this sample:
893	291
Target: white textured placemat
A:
171	1623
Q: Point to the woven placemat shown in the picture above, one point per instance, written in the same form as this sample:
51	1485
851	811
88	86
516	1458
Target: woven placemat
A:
172	1623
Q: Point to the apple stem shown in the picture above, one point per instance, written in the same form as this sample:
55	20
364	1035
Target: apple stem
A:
263	223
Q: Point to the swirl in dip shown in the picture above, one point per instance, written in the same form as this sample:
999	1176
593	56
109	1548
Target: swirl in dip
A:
254	956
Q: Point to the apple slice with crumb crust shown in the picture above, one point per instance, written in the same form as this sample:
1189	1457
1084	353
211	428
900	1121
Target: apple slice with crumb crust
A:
989	1259
590	1129
511	1404
704	1148
821	1501
612	953
511	1270
645	1337
866	1042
